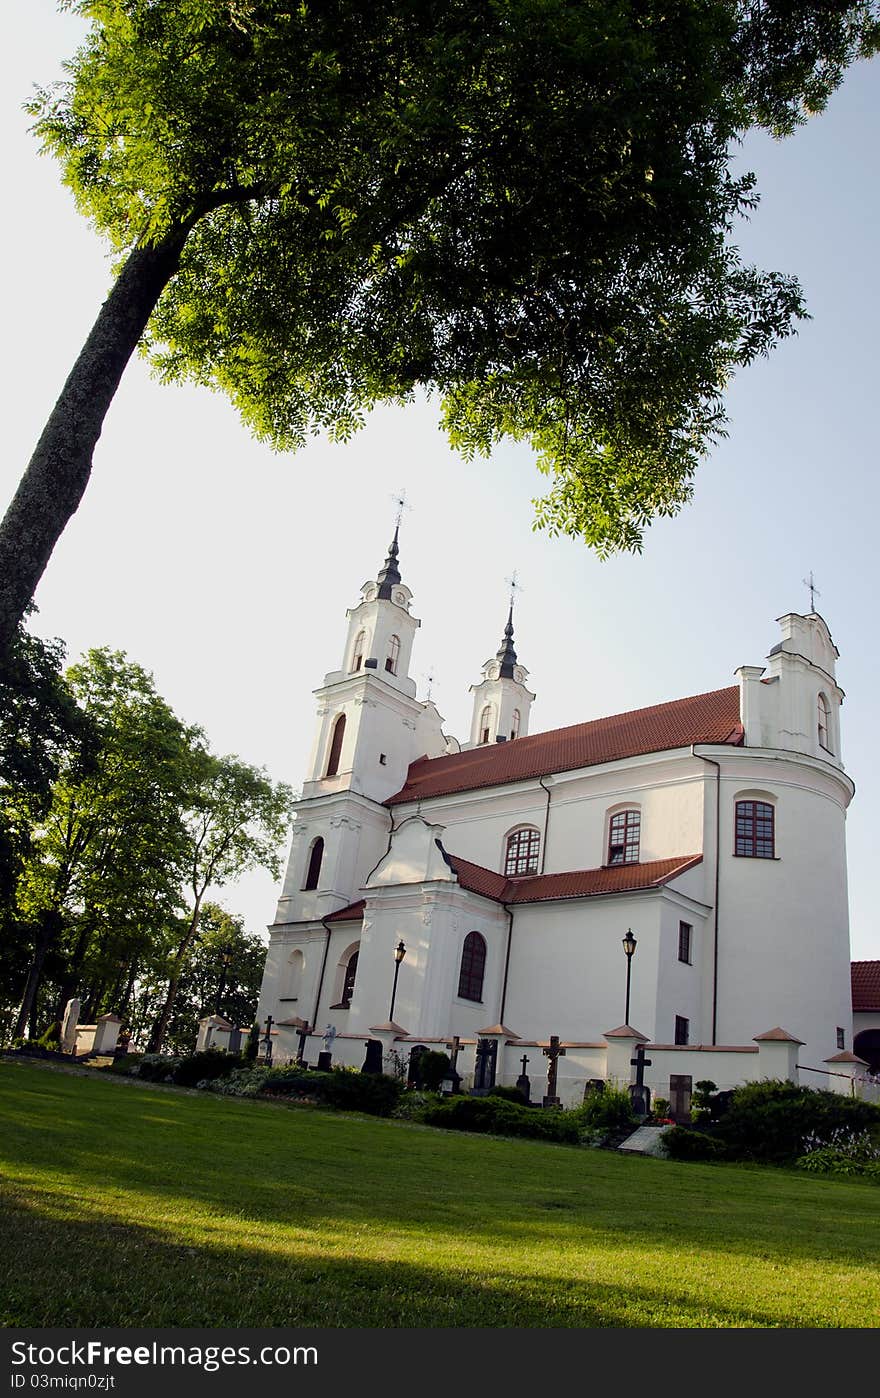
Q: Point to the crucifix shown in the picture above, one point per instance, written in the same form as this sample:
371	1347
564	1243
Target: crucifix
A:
267	1040
814	591
554	1053
454	1047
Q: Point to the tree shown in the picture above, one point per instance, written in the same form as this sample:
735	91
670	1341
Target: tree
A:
107	861
525	206
223	976
236	821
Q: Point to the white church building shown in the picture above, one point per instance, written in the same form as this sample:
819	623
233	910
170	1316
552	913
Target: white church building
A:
441	893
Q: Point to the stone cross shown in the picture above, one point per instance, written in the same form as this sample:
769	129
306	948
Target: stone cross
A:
302	1035
553	1052
267	1040
639	1093
523	1082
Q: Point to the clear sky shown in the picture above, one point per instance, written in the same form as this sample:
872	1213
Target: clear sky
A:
226	569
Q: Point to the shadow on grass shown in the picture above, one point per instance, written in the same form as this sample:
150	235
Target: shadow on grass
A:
76	1273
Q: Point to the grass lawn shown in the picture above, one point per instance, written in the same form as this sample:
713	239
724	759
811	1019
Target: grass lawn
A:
125	1204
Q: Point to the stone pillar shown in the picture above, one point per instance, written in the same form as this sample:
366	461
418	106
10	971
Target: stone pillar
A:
778	1055
500	1034
621	1048
106	1034
845	1067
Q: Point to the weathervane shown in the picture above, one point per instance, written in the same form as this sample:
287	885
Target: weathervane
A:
814	591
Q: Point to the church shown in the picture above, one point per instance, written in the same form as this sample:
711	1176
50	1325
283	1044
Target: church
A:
673	877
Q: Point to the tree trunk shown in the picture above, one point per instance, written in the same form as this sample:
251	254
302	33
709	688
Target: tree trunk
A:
157	1038
53	484
50	926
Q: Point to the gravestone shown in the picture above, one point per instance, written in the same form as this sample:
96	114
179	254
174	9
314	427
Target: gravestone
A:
325	1061
68	1026
524	1082
373	1061
680	1089
484	1066
414	1075
640	1094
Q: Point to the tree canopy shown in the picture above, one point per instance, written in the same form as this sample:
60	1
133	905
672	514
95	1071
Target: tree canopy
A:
525	207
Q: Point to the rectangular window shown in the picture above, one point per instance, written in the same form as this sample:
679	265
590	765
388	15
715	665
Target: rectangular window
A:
841	1038
755	834
684	942
682	1029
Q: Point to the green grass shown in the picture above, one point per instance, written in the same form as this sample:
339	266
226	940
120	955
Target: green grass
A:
125	1204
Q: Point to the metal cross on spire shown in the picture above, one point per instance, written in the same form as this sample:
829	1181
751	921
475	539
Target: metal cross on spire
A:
515	585
814	591
429	677
401	503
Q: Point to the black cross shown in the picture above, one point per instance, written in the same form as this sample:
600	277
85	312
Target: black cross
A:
525	1063
453	1053
814	591
640	1063
267	1041
303	1035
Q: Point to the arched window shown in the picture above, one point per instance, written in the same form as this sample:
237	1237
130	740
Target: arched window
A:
514	724
755	830
336	746
357	656
485	724
393	653
349	980
473	967
624	831
294	976
521	854
313	873
824	723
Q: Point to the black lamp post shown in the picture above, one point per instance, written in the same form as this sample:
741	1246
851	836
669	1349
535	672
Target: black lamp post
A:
629	947
225	958
399	954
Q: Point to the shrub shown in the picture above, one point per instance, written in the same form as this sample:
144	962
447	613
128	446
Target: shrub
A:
157	1067
203	1067
607	1111
771	1120
374	1093
51	1038
252	1047
497	1117
682	1144
433	1068
414	1106
508	1094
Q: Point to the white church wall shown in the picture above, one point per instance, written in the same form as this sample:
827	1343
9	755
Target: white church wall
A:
783	952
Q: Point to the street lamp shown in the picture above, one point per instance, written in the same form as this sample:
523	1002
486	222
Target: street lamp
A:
399	954
629	947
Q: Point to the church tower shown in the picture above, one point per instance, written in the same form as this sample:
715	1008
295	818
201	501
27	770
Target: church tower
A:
501	701
370	728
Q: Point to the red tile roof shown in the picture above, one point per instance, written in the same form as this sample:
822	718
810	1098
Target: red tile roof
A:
703	718
866	985
538	888
352	913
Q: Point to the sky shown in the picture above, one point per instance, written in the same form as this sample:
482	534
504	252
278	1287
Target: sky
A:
226	569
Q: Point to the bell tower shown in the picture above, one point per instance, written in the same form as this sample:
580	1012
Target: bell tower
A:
370	728
501	701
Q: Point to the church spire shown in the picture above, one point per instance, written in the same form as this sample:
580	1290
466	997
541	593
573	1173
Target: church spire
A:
506	656
389	573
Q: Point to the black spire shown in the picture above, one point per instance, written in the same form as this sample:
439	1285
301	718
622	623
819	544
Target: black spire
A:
389	574
507	655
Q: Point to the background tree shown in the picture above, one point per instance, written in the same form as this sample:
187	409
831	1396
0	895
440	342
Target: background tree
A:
525	206
236	821
223	976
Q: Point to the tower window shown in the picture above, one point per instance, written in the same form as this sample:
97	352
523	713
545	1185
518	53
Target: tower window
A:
336	746
514	724
485	724
682	1030
624	831
314	870
823	721
393	655
521	855
684	942
357	658
473	967
755	830
841	1037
